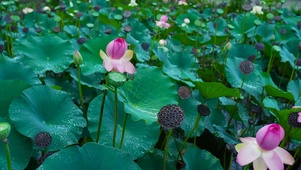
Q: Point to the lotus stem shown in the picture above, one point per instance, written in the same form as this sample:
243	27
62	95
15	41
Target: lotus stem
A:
123	130
115	116
81	94
8	157
100	115
165	148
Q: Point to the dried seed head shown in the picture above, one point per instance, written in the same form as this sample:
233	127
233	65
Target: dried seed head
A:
259	46
203	110
97	7
299	25
251	58
283	31
256	109
246	67
292	120
170	116
127	29
145	46
1	48
43	139
184	92
81	41
247	7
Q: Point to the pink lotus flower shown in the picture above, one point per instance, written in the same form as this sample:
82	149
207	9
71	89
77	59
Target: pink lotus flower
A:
118	57
263	150
163	22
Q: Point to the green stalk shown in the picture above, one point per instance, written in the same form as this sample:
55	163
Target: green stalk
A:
177	145
100	115
81	94
296	156
270	62
115	116
9	166
165	148
123	130
190	133
294	68
232	114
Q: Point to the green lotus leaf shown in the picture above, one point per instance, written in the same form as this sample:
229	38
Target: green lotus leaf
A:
21	73
276	92
144	96
43	53
243	23
20	150
11	89
42	109
178	65
287	56
154	160
265	31
92	80
196	158
138	139
252	82
242	51
215	90
91	156
216	118
92	62
294	86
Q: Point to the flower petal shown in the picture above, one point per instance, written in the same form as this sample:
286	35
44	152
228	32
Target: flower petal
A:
248	140
259	164
284	155
129	67
272	160
269	136
248	154
103	55
118	65
107	63
127	56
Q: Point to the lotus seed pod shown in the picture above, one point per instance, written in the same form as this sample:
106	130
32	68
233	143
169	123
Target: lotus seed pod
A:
43	139
184	92
203	110
170	116
292	120
116	79
246	67
259	46
4	130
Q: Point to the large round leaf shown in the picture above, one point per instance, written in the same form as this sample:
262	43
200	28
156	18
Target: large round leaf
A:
251	82
20	150
91	156
44	53
42	109
21	73
144	96
196	158
138	139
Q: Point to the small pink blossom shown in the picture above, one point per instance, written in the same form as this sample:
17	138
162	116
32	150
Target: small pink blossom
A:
182	2
263	150
163	22
118	57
